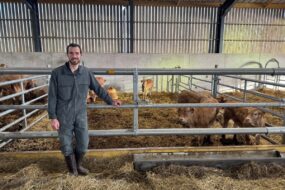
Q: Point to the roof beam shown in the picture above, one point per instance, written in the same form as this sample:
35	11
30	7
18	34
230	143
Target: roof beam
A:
131	24
222	12
34	12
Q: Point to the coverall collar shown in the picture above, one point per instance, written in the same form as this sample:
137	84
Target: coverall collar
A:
67	71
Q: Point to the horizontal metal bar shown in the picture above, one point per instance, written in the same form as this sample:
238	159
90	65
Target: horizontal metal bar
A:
20	80
124	71
186	84
269	139
17	120
254	93
197	86
203	80
2	144
282	116
265	96
263	109
180	105
20	93
231	97
26	103
148	132
258	81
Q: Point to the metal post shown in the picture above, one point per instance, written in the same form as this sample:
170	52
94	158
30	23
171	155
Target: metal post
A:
156	83
190	81
215	84
167	83
283	136
172	83
23	103
244	92
176	84
161	86
136	99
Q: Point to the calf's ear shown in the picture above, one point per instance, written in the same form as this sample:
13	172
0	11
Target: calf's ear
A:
221	99
190	110
262	112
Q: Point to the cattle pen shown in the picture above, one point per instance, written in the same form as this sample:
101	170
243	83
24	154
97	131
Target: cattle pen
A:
216	75
154	156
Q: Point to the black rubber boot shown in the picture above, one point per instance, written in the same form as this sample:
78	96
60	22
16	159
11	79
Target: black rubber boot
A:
81	170
71	164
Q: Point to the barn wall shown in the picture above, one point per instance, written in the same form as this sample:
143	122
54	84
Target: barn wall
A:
107	29
188	61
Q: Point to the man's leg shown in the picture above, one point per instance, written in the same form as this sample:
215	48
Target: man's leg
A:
82	140
65	138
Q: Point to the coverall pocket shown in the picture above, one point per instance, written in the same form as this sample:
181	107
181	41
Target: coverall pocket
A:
83	89
65	90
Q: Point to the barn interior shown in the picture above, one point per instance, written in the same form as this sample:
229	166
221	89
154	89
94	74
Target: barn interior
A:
231	49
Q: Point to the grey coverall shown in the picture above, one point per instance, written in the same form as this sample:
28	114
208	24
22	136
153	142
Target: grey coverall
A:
67	103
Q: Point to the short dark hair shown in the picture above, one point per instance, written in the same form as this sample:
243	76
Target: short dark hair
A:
73	45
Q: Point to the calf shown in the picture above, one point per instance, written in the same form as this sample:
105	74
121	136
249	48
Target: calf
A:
197	117
16	87
113	93
3	65
147	85
244	117
91	96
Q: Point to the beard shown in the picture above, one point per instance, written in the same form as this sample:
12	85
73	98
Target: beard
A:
74	61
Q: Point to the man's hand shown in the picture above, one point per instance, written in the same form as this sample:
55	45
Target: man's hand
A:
117	103
55	124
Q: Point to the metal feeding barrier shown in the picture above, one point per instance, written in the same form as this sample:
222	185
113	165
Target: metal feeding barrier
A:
175	81
22	120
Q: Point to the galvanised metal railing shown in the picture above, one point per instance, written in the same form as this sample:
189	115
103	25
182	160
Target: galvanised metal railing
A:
23	102
172	131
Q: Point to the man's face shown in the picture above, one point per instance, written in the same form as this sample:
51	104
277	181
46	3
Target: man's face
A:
74	55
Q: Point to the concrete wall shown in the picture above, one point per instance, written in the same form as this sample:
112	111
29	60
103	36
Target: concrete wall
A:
123	83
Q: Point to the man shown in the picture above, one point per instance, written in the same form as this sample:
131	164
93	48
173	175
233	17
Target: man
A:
68	88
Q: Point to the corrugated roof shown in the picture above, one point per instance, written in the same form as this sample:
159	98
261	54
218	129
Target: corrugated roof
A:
197	3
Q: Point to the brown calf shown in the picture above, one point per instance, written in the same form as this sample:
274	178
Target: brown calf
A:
113	93
16	87
147	85
197	117
245	117
91	96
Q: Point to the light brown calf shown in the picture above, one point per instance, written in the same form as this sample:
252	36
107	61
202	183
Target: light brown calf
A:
3	65
244	117
147	85
16	87
91	96
197	117
113	93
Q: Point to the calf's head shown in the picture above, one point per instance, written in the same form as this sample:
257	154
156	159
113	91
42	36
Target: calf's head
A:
184	114
254	118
